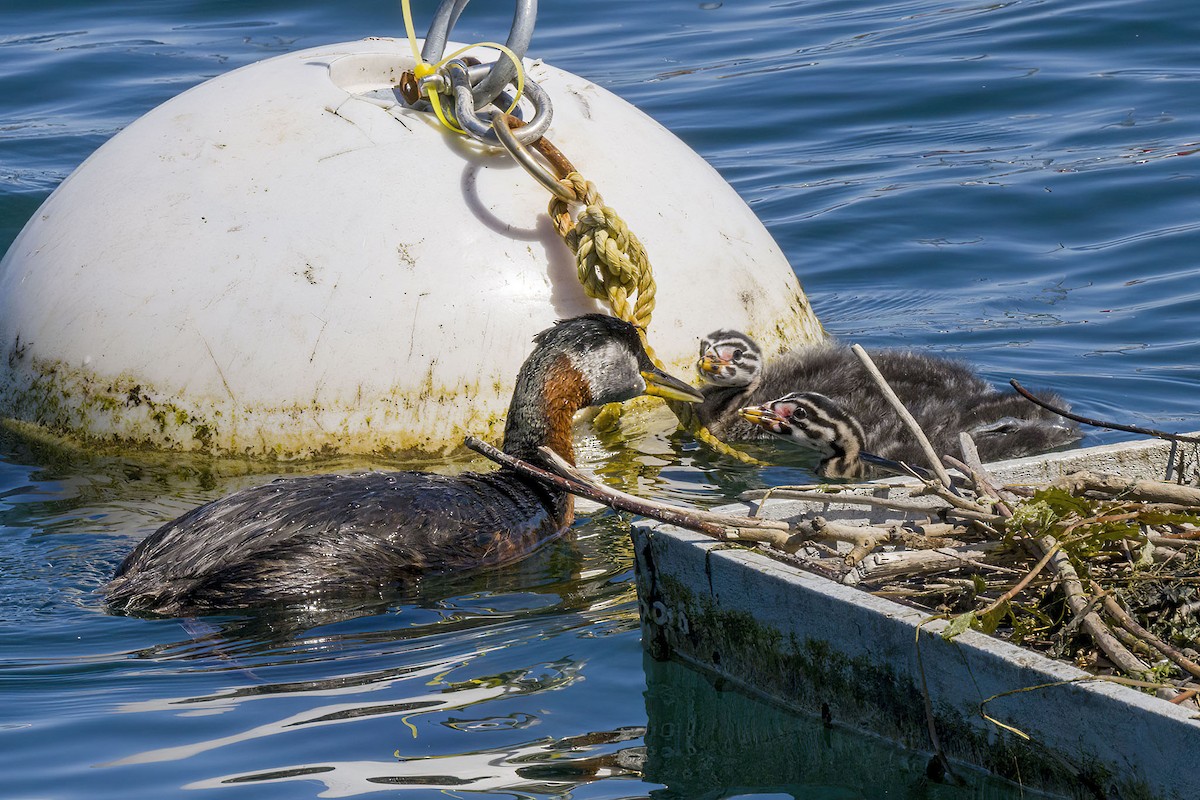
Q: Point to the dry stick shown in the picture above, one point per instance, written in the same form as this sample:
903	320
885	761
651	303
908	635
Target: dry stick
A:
1171	541
832	488
1116	426
786	537
697	521
906	563
1080	606
984	484
788	493
935	462
955	505
1128	623
1151	491
935	530
865	538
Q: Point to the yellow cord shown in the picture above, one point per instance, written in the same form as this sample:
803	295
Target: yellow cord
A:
613	267
408	28
424	69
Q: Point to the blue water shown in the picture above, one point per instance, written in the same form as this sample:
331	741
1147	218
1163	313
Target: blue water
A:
1014	183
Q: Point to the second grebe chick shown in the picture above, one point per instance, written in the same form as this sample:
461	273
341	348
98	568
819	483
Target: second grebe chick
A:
815	421
945	396
365	534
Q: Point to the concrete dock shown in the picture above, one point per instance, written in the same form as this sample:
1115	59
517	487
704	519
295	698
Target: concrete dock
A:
861	661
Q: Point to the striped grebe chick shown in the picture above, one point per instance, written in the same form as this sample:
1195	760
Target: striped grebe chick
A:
815	421
363	534
946	397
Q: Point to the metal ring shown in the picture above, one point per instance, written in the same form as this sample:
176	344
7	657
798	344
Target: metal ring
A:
481	129
522	156
502	71
444	18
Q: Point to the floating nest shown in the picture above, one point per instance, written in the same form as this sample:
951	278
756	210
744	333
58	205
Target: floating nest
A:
1098	569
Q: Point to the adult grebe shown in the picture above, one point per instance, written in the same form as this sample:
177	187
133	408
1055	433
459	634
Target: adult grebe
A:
363	534
944	396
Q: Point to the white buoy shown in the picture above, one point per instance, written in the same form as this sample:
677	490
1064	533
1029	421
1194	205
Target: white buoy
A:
283	261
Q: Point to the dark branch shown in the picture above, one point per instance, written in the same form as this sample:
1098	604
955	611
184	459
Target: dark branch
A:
1116	426
525	468
672	516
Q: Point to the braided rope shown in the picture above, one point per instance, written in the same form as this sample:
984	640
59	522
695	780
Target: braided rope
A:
613	267
611	262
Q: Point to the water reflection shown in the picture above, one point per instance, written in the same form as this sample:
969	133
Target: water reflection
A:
459	695
696	744
704	740
544	766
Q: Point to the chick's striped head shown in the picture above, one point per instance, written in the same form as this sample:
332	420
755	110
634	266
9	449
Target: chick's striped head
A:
729	358
815	421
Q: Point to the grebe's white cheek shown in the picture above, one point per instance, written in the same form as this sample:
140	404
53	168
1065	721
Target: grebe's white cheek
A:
612	373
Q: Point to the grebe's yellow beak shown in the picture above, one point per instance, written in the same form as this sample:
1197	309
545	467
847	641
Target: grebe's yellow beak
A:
660	384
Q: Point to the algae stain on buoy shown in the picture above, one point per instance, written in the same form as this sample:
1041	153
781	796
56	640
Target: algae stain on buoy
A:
285	261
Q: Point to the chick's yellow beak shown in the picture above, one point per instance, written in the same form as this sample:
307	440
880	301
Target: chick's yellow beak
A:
660	384
758	415
709	365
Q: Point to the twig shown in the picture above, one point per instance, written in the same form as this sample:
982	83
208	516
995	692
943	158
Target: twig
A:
1130	624
523	467
1021	584
563	468
962	505
718	525
1152	491
785	537
1080	606
1188	534
887	566
788	493
1095	423
984	484
724	526
935	461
